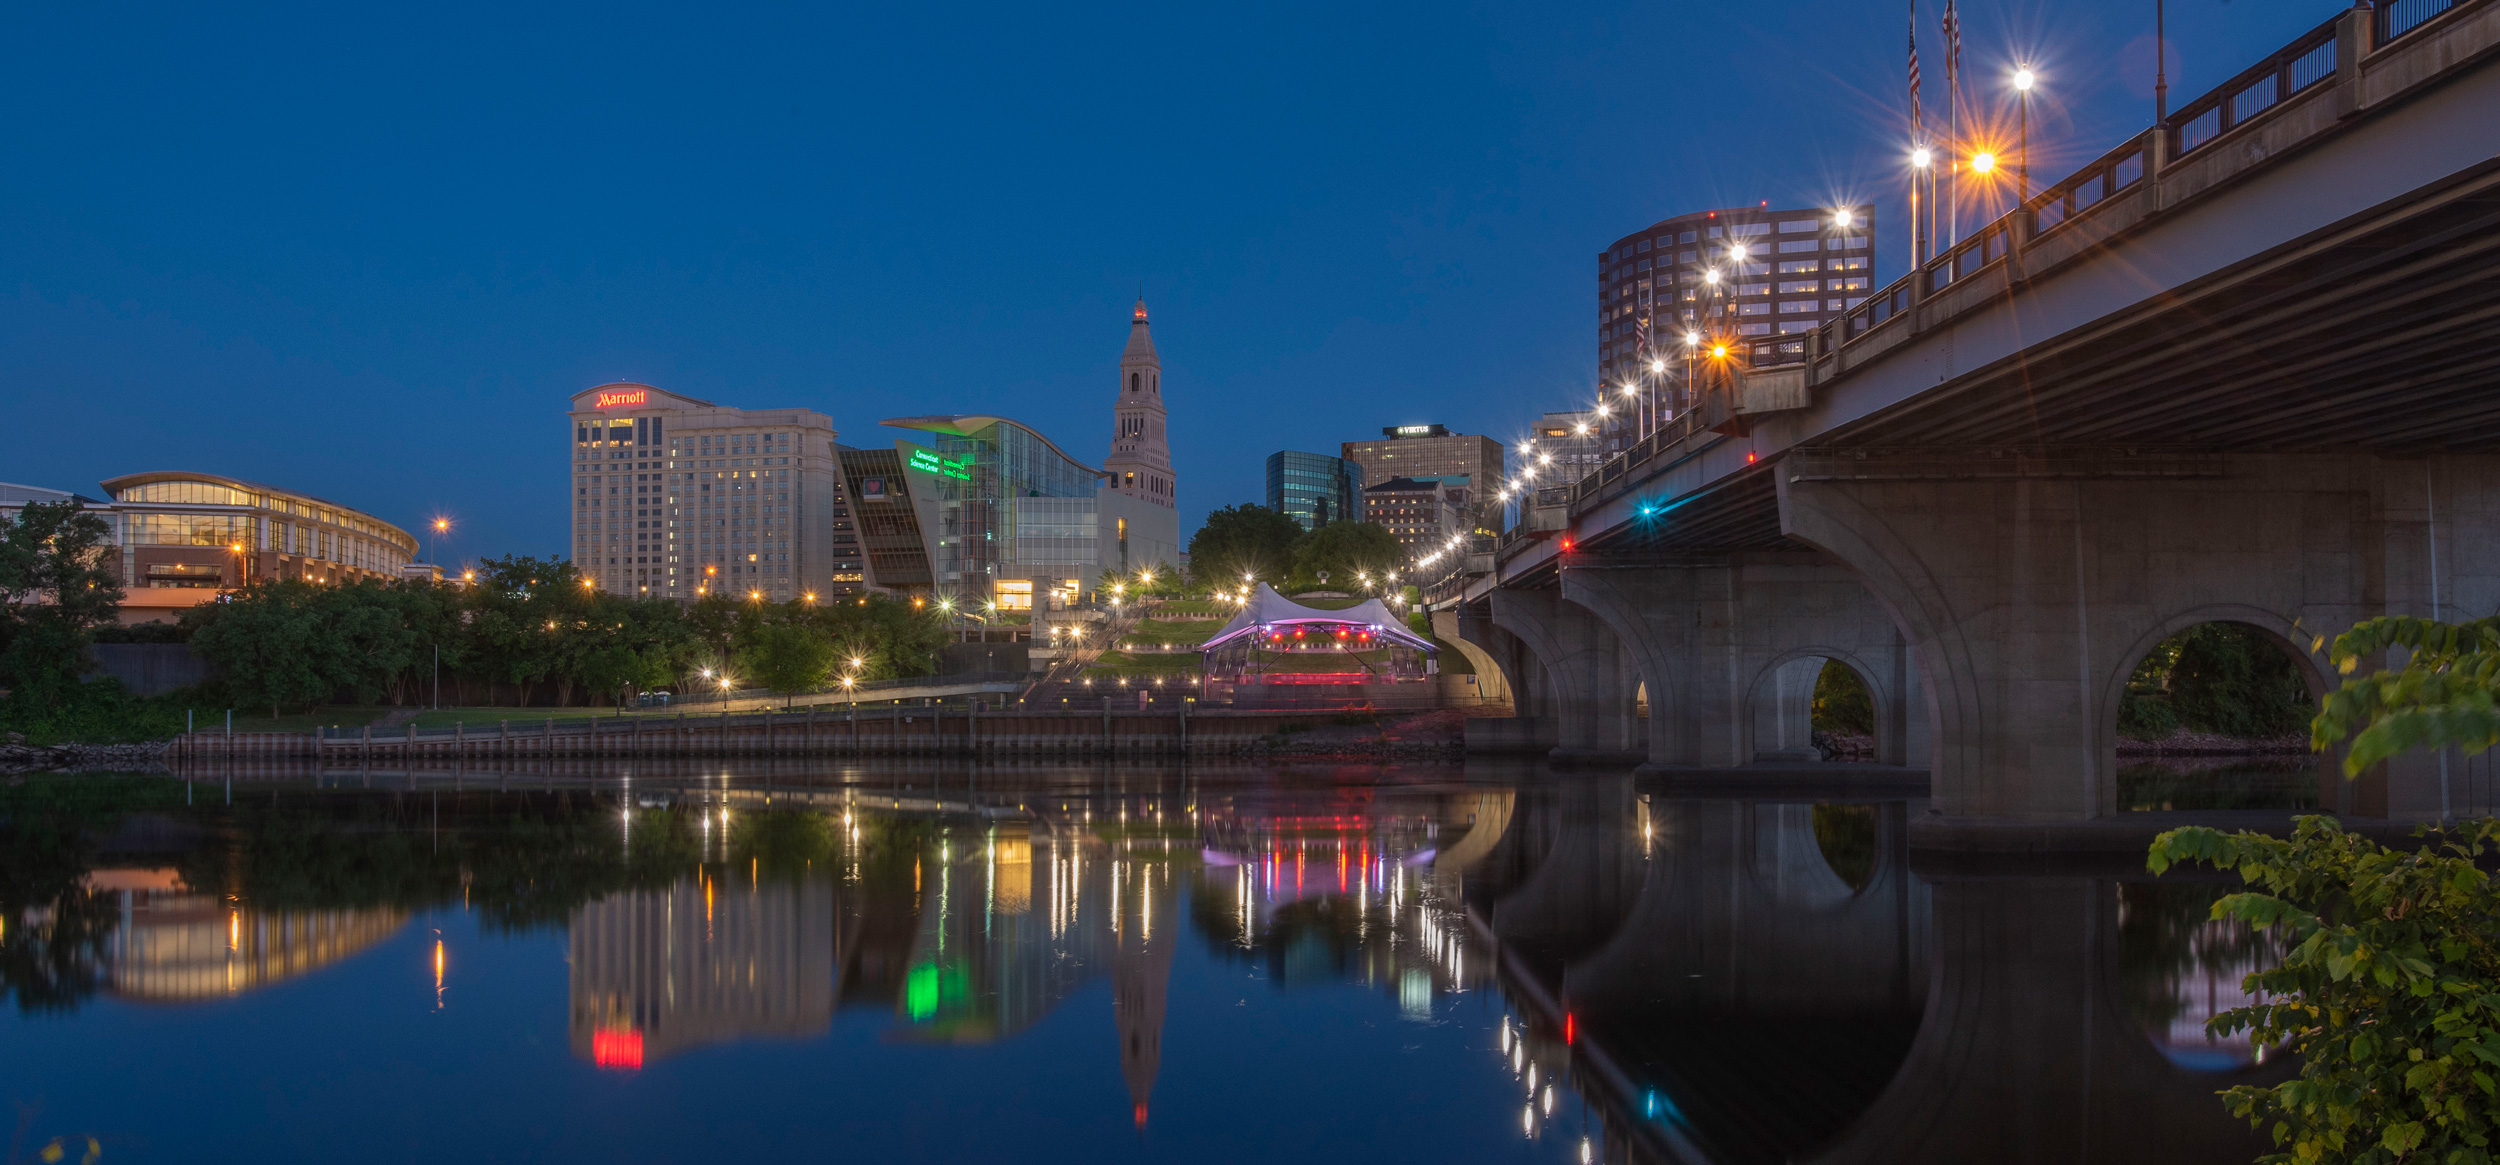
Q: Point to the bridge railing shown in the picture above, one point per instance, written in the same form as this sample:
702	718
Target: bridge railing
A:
2262	86
2394	18
2112	174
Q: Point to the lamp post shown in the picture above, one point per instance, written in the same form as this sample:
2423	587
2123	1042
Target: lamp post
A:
2023	78
433	550
1922	235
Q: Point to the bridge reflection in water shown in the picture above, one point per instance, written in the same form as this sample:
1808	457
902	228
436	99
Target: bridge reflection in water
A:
1742	981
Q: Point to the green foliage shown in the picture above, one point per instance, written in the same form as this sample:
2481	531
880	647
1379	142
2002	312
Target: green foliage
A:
1347	551
2440	698
56	587
96	712
788	657
2390	992
2229	679
1841	702
1848	837
530	624
1243	539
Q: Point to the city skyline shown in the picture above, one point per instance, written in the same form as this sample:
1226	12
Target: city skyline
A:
331	346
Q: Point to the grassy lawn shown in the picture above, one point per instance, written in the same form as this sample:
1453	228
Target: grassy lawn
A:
1189	608
351	716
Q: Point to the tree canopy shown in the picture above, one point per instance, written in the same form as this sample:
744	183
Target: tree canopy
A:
529	626
1243	539
56	586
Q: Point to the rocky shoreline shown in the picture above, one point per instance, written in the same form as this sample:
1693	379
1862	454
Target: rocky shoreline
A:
17	756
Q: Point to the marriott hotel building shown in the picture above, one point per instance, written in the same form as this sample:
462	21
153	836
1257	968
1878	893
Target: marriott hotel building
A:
679	497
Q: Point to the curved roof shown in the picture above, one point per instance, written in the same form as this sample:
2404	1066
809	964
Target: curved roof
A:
115	485
967	424
1268	609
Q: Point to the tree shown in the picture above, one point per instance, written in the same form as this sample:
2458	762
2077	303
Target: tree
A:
2442	697
790	657
2390	995
1348	551
56	586
271	645
1243	539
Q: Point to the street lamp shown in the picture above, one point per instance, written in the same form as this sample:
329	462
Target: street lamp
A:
2023	77
1983	162
1922	235
442	526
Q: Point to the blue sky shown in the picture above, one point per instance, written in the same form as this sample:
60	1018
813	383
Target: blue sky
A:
369	251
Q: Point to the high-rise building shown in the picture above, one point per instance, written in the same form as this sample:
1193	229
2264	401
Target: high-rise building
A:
1422	513
680	497
1796	269
1470	464
1314	488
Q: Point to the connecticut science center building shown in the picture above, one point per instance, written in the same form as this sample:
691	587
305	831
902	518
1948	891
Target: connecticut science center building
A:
680	497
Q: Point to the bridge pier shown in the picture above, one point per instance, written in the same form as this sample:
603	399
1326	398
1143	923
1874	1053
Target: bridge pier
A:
1731	645
2029	590
1583	690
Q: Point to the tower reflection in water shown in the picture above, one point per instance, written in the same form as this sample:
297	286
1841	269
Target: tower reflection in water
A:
970	923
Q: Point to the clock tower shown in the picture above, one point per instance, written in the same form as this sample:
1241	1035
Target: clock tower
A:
1140	463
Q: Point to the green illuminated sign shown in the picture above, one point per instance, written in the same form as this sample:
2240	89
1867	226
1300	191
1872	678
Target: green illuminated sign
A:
928	462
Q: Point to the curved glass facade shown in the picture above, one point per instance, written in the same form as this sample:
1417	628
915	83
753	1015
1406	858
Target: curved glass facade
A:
1010	505
193	532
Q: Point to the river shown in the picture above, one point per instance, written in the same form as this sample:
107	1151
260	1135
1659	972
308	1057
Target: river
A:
1312	962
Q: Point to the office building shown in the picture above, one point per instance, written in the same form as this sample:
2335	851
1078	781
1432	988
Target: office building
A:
1422	512
179	539
1796	270
1003	513
1468	463
1313	488
680	497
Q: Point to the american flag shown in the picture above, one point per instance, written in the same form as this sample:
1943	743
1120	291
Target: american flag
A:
1952	46
1914	118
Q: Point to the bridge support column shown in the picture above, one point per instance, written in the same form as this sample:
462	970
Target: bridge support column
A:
2031	588
1589	682
1731	646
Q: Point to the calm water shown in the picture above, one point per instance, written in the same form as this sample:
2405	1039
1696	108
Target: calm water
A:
1084	964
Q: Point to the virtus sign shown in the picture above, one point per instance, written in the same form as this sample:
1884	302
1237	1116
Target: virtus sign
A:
611	400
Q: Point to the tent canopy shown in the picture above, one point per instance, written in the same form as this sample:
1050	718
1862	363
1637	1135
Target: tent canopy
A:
1268	609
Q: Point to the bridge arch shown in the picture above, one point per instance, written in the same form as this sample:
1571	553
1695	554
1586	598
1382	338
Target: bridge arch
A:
1776	723
2284	636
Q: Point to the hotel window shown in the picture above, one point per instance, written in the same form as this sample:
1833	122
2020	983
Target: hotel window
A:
1797	268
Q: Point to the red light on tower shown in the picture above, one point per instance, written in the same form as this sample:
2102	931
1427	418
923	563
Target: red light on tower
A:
1571	1027
1567	544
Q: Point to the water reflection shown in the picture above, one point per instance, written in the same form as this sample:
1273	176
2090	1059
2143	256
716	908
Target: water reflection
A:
1663	978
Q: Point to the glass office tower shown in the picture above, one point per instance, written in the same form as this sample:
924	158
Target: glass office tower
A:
1313	488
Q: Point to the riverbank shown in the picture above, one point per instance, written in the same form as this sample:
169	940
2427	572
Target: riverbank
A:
17	756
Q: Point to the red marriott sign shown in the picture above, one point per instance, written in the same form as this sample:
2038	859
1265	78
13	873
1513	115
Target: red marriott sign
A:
610	400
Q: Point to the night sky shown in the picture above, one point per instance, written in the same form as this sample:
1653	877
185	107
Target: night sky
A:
368	253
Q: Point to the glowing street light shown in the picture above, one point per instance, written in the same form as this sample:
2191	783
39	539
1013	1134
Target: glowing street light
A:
1692	339
2023	77
1655	367
1738	251
1983	162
